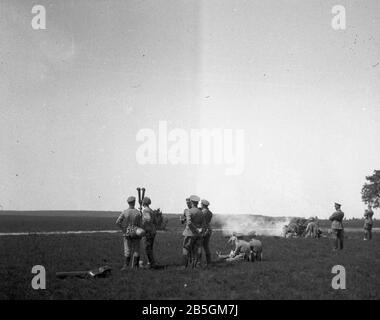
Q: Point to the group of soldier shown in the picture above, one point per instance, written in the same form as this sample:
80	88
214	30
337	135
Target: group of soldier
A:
338	230
337	227
197	232
141	224
138	225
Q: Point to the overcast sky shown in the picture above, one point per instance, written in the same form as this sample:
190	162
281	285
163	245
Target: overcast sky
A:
74	96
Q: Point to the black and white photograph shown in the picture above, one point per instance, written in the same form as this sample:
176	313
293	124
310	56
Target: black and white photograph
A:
202	151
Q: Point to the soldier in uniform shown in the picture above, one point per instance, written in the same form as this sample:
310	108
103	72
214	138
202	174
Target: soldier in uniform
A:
368	222
129	221
188	204
207	230
244	250
183	220
193	233
312	229
337	226
149	226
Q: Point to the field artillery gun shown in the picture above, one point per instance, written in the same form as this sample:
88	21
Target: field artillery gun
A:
296	228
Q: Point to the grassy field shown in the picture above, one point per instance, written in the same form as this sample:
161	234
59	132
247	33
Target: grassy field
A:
292	268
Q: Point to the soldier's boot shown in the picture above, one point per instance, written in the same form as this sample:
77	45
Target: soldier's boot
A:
208	259
151	262
336	244
136	262
252	256
185	261
198	259
127	261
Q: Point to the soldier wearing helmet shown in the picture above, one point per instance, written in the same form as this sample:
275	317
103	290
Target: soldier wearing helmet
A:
129	221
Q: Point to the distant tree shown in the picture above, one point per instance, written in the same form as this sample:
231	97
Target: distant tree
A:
371	190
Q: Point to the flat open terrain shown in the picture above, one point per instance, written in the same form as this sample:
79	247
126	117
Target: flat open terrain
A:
292	268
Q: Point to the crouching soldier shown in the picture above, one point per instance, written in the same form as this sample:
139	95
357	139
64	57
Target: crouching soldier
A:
368	222
130	222
244	250
149	226
337	227
312	229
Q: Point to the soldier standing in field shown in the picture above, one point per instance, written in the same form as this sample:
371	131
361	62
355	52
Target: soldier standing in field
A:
183	220
337	226
368	222
207	230
193	233
129	221
149	226
188	204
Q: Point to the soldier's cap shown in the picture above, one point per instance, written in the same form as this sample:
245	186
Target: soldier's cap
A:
194	198
337	204
131	199
146	201
205	202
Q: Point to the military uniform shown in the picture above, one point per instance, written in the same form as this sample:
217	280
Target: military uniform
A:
368	223
207	230
188	203
256	250
149	225
337	227
312	229
129	220
193	233
244	250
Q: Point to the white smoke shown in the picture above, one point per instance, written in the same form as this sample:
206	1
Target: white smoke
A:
251	225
